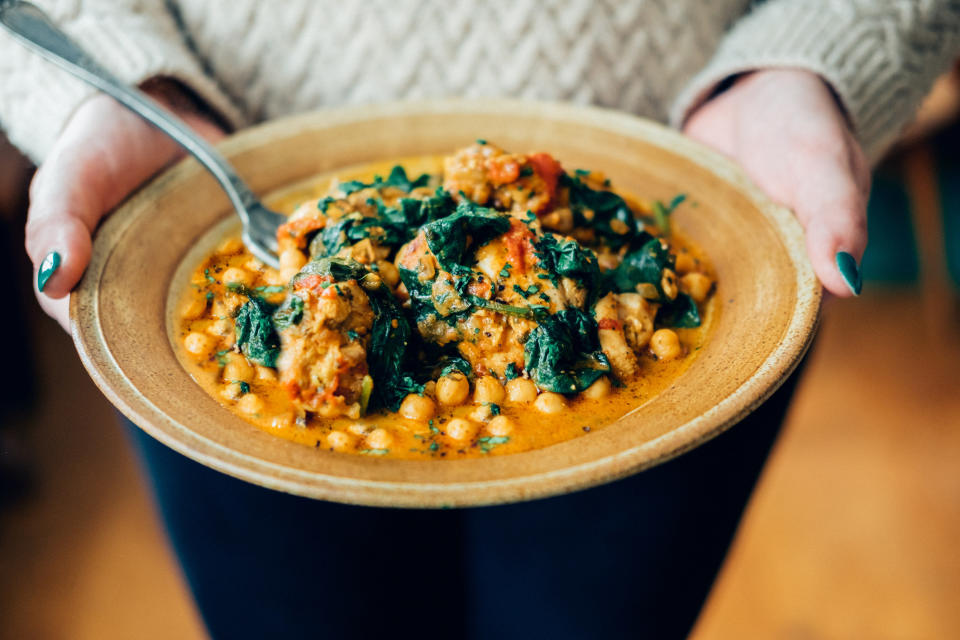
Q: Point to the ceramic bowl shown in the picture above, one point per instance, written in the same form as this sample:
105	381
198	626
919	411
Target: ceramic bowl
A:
770	299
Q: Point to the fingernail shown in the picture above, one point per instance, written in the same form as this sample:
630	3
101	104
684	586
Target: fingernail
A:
850	271
48	267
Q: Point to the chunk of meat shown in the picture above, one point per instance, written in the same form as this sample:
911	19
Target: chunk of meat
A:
323	358
636	315
613	342
517	183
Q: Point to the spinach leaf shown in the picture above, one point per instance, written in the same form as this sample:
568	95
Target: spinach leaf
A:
612	218
453	238
256	336
388	356
456	363
389	226
644	265
340	269
661	212
397	178
681	313
563	353
289	314
568	259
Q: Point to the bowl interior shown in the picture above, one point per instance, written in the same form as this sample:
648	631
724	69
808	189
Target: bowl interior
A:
769	299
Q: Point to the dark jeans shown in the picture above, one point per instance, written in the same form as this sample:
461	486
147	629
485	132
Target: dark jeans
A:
631	559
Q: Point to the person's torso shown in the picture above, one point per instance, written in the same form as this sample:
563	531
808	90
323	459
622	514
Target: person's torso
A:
283	57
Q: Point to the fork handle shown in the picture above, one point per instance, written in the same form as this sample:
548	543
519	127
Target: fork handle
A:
32	27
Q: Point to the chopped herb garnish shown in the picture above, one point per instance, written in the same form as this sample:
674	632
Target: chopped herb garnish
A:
221	357
494	408
375	452
244	387
352	335
583	173
481	141
511	372
210	278
270	289
209	295
434	446
489	442
505	272
526	171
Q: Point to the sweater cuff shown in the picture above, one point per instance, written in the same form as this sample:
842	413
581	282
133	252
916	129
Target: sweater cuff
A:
879	63
38	98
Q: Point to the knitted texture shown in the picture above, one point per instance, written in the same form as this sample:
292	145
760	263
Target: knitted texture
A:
252	60
879	57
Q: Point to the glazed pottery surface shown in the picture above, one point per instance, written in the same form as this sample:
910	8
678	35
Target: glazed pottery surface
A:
769	298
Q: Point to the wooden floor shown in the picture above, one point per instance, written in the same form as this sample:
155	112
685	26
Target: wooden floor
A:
854	531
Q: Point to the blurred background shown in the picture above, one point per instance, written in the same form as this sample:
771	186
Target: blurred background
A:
853	532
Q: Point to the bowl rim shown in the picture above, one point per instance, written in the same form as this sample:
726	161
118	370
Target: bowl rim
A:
97	358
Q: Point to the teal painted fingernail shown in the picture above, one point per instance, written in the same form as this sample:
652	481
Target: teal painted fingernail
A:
850	272
48	267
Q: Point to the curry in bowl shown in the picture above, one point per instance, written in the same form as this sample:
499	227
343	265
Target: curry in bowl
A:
496	305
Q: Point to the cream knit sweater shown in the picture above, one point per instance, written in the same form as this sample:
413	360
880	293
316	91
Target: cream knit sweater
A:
251	60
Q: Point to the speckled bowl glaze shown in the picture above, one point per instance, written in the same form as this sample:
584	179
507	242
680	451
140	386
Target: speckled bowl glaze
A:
770	299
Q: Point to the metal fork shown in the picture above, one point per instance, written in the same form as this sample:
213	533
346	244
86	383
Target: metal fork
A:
32	27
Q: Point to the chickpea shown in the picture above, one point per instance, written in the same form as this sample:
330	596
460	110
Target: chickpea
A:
417	407
668	282
598	390
521	391
460	429
482	412
430	389
696	285
194	308
238	369
665	344
371	282
488	389
221	327
388	272
198	344
379	439
291	261
550	403
234	275
339	441
232	391
254	265
358	429
250	404
500	426
230	245
453	389
266	373
282	420
685	262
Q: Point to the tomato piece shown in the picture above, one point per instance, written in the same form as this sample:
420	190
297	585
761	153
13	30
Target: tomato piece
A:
502	170
548	169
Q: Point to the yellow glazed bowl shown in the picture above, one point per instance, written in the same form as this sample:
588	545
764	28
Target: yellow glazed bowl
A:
769	297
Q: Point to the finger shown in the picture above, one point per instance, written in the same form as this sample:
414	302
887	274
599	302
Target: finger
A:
65	205
831	203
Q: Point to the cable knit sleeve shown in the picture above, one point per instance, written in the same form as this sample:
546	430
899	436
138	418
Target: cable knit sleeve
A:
135	39
879	56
